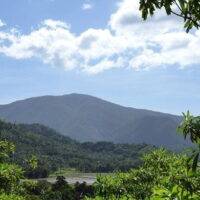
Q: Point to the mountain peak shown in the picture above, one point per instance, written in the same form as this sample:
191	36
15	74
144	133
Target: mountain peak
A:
87	118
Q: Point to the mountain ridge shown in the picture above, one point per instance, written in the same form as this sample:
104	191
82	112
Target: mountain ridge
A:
87	118
82	94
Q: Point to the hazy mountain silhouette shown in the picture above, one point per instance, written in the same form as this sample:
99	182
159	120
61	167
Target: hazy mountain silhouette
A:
87	118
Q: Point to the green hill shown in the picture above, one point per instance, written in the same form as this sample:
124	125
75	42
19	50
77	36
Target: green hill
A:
56	151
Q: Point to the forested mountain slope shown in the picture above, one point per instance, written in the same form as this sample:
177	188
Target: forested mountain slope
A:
56	151
87	118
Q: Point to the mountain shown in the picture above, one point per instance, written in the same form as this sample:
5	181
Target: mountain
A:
87	118
56	151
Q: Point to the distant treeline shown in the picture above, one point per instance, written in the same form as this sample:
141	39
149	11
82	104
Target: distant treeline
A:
55	151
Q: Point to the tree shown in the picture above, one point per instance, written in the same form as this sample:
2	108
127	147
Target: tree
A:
6	149
163	175
188	10
190	127
10	174
33	162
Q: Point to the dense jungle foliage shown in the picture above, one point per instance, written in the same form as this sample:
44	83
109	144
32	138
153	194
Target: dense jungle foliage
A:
162	175
55	151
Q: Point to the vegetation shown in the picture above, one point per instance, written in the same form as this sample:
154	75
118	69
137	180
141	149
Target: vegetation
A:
188	10
54	151
162	175
87	118
190	127
13	188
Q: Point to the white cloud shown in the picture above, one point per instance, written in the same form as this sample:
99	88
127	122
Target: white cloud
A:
87	6
2	23
55	24
102	66
127	42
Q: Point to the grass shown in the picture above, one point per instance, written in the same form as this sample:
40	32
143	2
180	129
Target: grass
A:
64	172
71	172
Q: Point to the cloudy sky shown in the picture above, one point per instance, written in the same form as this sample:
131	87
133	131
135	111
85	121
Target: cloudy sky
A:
101	48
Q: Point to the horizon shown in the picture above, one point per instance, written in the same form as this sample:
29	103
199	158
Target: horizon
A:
89	48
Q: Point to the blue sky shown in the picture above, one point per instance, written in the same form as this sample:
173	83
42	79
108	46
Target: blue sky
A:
150	69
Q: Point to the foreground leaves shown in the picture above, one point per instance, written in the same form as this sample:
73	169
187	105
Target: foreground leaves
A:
188	10
163	175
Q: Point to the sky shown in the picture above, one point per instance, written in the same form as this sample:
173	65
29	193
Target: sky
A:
101	48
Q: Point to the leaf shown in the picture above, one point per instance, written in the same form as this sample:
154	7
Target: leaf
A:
195	162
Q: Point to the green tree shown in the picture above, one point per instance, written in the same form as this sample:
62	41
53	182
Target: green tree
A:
61	186
188	10
10	174
33	162
6	149
190	127
11	197
162	173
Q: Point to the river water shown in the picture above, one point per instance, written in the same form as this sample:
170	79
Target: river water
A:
73	178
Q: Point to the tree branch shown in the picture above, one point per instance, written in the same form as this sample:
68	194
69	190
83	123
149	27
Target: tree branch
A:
186	17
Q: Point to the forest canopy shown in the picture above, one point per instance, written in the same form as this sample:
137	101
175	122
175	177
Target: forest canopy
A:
55	151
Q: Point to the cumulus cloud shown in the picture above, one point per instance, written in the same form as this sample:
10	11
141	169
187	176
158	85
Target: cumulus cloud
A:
2	23
127	42
87	6
55	24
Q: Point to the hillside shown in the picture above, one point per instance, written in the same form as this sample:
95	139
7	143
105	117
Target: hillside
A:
87	118
56	151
